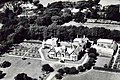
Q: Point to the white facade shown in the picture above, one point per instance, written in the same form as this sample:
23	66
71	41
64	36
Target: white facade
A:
28	6
104	51
105	47
63	53
107	43
50	42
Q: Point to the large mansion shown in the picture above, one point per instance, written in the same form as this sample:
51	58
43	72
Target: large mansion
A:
65	50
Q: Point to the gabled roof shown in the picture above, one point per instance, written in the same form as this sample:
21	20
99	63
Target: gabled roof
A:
52	50
50	41
110	41
73	53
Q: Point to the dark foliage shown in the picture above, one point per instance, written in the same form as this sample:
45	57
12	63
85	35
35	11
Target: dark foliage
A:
81	69
58	76
47	67
23	76
61	71
5	64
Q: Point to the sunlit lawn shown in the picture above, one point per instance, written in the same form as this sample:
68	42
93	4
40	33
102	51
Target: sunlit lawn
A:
19	66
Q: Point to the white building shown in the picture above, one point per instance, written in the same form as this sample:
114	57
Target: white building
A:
50	42
74	10
107	43
65	53
105	47
107	52
28	6
81	40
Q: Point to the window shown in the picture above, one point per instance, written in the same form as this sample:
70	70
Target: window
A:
101	45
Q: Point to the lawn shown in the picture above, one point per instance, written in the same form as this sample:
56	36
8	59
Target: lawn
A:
101	61
94	75
21	66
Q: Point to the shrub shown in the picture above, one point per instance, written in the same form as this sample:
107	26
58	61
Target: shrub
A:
87	66
2	75
58	76
5	64
81	69
73	70
61	71
66	70
47	67
23	76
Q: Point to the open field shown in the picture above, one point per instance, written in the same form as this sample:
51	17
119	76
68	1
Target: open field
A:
91	25
19	66
107	26
94	75
103	2
101	61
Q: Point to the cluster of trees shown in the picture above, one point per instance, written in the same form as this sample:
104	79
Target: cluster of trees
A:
67	33
23	76
66	70
112	13
91	62
47	68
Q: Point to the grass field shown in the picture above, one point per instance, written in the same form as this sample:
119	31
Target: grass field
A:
94	75
101	61
19	66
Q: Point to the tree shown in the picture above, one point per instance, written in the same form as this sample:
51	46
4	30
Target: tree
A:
81	69
47	67
36	32
88	44
40	6
73	70
66	17
44	20
79	17
2	75
66	70
56	19
5	64
92	50
31	1
87	66
113	13
68	11
81	54
61	71
36	2
56	5
23	76
92	55
91	61
58	76
105	66
96	1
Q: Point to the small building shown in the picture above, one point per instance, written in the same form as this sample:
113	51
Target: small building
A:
74	10
50	42
104	52
72	23
105	47
81	40
107	43
28	6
